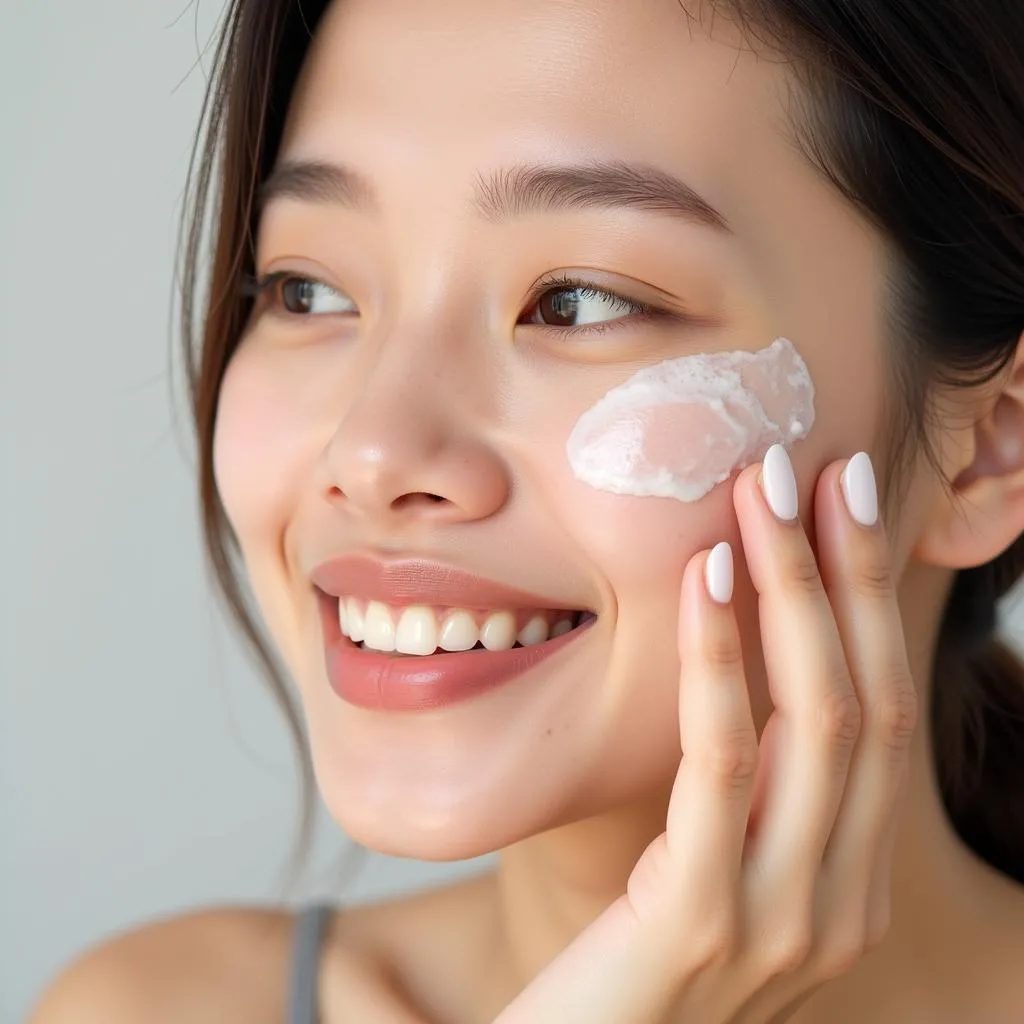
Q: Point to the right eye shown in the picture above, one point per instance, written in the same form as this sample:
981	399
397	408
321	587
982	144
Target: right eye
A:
299	296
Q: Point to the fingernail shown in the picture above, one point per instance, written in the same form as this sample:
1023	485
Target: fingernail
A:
779	484
718	573
859	490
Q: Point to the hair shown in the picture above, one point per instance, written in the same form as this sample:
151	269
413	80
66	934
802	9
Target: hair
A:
914	111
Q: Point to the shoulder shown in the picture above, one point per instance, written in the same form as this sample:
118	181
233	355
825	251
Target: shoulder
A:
233	964
221	964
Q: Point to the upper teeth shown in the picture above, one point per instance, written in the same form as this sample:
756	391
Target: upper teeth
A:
420	629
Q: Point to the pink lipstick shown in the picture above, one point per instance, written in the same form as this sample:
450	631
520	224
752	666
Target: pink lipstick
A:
393	682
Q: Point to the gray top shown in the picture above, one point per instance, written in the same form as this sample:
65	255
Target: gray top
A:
310	924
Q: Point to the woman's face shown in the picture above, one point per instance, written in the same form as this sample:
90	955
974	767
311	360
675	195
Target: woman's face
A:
420	407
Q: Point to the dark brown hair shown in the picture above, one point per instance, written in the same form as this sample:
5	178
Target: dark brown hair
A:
914	110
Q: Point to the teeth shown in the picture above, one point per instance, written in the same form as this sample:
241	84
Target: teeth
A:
459	632
534	632
498	633
417	631
354	619
421	630
378	629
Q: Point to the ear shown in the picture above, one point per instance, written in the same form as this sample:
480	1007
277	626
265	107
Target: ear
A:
983	514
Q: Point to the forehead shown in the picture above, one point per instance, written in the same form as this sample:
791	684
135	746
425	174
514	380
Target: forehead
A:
453	84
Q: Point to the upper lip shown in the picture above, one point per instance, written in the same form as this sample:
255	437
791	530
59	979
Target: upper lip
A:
419	581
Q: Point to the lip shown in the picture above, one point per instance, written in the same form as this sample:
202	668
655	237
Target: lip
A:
418	581
385	682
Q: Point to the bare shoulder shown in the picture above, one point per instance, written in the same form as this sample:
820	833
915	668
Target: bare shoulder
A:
224	965
221	964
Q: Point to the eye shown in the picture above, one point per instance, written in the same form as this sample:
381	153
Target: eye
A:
571	305
562	303
295	295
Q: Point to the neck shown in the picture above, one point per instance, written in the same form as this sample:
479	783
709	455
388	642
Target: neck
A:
552	885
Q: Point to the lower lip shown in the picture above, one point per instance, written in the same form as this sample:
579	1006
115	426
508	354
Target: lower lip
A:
383	682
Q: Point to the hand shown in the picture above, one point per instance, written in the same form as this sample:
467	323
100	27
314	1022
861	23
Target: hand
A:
773	872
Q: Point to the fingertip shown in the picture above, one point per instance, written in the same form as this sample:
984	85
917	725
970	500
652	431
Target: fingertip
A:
719	573
705	576
747	485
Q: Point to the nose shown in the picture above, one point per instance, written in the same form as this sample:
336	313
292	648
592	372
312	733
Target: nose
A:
410	448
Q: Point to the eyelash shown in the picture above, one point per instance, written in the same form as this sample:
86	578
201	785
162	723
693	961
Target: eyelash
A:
268	285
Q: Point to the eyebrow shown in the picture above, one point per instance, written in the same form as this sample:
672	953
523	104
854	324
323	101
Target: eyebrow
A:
514	191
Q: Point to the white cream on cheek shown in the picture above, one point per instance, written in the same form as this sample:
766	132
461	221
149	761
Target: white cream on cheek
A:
678	428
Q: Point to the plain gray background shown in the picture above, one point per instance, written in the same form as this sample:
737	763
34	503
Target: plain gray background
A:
143	768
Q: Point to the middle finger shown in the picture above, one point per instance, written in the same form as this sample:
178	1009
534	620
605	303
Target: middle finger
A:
808	677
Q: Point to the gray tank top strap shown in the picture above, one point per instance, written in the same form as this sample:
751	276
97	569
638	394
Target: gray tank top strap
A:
310	924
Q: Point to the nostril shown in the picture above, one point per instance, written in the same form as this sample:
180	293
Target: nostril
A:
417	498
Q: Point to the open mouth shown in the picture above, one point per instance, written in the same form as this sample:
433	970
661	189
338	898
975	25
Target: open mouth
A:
415	656
423	630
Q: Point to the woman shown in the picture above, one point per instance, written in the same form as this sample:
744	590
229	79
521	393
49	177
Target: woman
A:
549	354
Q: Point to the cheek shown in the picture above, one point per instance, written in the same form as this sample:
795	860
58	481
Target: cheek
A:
640	548
678	428
637	546
642	545
669	437
262	458
259	453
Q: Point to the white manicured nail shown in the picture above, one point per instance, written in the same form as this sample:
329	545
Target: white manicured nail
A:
718	573
779	484
859	489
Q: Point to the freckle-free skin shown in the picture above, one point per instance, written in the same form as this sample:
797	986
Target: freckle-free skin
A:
680	427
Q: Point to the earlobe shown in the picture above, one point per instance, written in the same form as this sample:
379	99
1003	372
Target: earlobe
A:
976	523
982	512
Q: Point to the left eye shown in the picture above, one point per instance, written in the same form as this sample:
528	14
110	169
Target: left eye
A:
302	296
577	305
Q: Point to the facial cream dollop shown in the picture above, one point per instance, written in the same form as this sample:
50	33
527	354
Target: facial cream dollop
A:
678	428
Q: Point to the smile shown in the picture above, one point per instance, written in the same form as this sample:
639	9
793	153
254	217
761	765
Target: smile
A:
421	630
397	637
393	681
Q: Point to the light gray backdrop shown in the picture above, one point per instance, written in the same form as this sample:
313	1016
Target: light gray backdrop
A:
143	770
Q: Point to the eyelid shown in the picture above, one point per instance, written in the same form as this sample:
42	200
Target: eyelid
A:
596	282
259	287
562	281
645	312
255	285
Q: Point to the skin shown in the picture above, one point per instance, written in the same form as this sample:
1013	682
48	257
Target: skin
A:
334	431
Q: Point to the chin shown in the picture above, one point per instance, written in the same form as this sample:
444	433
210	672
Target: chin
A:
407	829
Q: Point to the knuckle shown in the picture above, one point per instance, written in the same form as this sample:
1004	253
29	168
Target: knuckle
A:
893	717
790	948
802	575
722	651
732	759
715	942
871	574
841	952
647	881
840	718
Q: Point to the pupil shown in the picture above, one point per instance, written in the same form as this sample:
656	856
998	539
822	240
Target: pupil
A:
296	295
560	305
